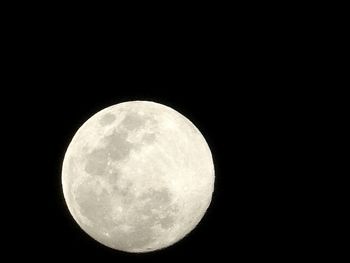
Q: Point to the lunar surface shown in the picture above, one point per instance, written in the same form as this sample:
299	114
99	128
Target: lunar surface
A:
138	176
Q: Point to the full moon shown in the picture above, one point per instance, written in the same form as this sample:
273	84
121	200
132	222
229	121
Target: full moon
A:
138	176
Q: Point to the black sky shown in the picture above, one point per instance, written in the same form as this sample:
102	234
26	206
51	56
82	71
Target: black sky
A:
240	95
242	219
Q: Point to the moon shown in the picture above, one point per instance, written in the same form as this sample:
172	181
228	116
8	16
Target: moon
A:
138	176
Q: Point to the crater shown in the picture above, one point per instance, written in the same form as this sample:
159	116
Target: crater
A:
106	119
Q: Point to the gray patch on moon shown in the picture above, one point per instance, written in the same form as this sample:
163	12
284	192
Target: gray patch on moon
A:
97	162
148	138
94	205
106	119
113	177
158	208
167	222
116	146
151	208
139	236
157	197
133	121
124	194
116	149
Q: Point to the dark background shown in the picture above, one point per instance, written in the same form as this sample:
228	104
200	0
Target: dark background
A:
241	83
247	217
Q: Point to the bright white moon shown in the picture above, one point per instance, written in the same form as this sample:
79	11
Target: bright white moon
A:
138	176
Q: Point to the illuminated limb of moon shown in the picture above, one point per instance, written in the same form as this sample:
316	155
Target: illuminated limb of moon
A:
138	176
